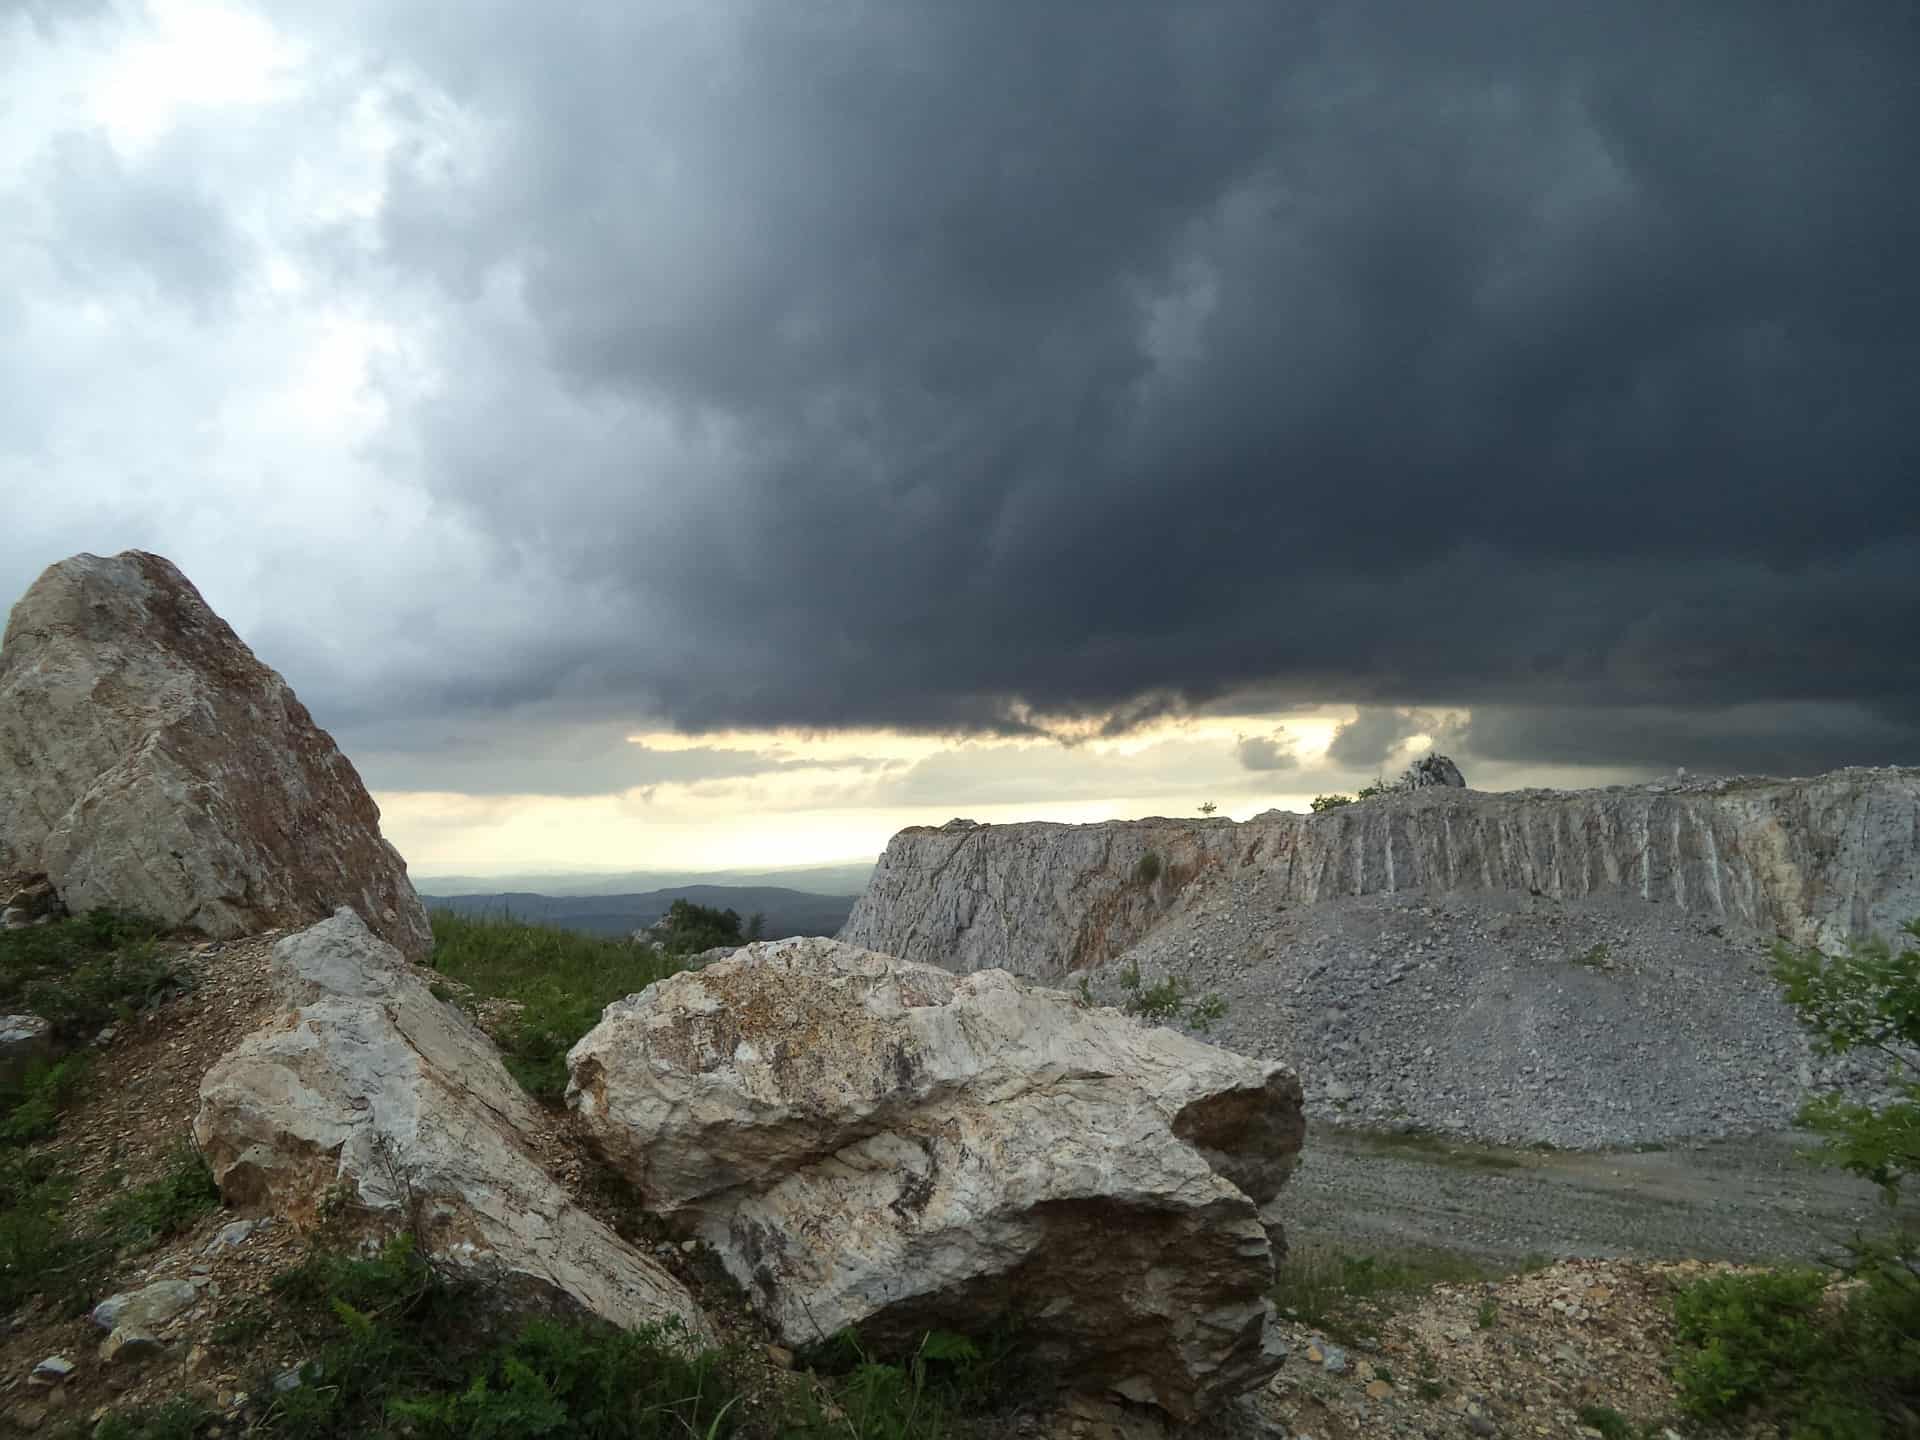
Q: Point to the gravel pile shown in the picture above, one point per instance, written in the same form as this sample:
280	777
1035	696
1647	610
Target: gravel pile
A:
1515	1019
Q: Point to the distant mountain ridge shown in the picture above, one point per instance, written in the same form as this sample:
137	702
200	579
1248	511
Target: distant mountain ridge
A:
843	877
787	912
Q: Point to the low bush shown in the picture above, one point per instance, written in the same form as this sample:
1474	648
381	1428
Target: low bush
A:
1323	803
1822	1362
1170	998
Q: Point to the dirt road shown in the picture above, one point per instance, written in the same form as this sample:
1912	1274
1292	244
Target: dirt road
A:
1747	1200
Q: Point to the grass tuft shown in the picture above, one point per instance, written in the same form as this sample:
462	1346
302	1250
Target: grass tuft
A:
561	981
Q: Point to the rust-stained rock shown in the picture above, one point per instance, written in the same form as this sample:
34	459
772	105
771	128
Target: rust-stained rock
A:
867	1141
149	762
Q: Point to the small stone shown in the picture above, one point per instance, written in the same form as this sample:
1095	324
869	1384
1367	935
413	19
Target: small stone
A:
1379	1390
1335	1362
780	1357
288	1379
126	1347
233	1234
689	1247
51	1371
148	1306
1480	1425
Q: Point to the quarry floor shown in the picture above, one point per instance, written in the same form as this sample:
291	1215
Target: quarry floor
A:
1753	1200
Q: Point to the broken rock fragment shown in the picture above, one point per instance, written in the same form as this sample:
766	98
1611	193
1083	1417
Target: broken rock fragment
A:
371	1093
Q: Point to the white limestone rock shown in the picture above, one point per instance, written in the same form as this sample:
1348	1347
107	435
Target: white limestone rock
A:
866	1141
1821	860
370	1087
149	762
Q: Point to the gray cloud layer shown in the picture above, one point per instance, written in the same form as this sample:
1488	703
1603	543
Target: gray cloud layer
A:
928	364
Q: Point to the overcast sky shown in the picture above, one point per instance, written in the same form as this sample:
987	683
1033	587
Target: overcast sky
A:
718	432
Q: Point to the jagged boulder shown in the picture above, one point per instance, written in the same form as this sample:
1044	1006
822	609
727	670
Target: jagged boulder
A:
149	761
1433	770
867	1141
371	1092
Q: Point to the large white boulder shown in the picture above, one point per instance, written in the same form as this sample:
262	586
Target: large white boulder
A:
148	761
371	1092
871	1142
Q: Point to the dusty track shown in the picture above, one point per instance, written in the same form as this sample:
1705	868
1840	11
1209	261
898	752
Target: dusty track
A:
1750	1200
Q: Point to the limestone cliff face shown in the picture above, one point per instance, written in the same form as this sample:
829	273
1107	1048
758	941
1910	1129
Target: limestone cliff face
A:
1819	859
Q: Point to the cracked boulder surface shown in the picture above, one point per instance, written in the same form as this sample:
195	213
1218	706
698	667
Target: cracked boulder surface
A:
867	1141
150	762
368	1097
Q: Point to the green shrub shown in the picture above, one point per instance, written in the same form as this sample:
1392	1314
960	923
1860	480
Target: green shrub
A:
1745	1338
1170	998
687	928
1824	1364
1148	869
30	1106
1323	803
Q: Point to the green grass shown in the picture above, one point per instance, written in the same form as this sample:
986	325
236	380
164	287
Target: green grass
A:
43	1253
399	1346
1347	1295
561	979
79	974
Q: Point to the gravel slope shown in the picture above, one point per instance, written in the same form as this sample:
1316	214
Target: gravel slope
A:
1600	1023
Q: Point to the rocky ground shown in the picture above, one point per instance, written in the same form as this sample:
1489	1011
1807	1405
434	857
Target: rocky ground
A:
1552	1352
1514	1019
1584	1332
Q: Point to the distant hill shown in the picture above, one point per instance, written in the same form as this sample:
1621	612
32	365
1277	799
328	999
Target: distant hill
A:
788	912
847	877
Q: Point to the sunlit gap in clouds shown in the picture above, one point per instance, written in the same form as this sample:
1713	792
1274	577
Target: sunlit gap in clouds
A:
815	797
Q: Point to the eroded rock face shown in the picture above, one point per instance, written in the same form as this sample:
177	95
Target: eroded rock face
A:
149	761
1813	861
871	1142
370	1086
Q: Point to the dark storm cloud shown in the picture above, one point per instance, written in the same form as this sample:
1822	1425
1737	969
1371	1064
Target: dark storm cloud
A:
1365	741
1265	752
967	366
1765	739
